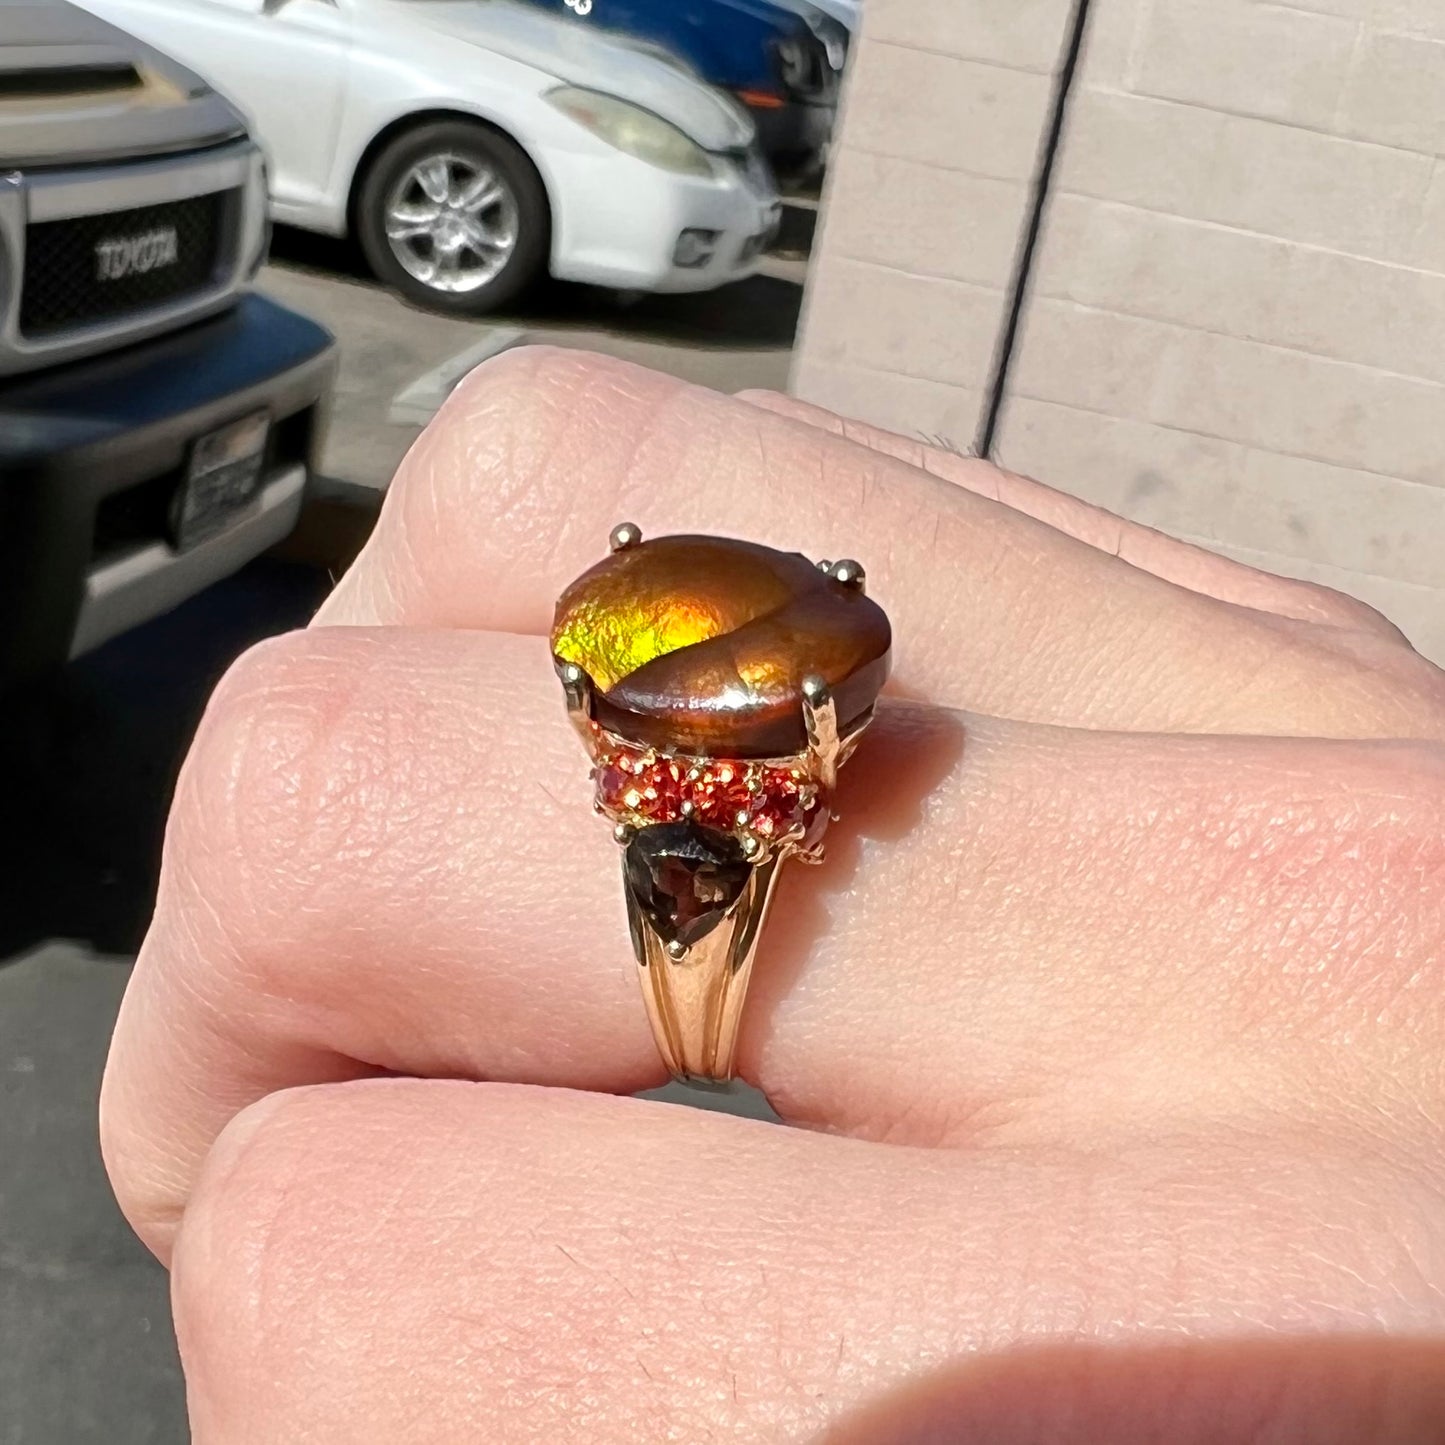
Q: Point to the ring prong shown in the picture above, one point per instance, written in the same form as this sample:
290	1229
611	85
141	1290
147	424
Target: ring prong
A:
577	689
824	565
849	573
676	949
820	718
751	846
623	833
624	535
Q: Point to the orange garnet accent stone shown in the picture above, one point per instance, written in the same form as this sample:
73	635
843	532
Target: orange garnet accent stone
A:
700	645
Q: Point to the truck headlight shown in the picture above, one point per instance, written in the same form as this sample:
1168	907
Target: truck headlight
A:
633	130
258	230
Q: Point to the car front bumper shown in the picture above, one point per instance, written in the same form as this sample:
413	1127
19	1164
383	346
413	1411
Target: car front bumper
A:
91	452
618	221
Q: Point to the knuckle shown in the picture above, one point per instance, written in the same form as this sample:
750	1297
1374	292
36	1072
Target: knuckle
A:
141	1176
1418	684
249	729
1340	609
515	374
1375	833
513	444
1401	828
271	779
1373	915
530	447
1372	683
241	1244
497	429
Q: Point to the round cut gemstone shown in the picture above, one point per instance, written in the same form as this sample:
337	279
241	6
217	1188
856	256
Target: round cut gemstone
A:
720	793
731	795
791	808
646	786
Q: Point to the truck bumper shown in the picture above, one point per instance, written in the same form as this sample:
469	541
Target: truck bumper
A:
91	455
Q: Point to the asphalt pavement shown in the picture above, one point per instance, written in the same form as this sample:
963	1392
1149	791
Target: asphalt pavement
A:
738	336
86	1351
87	1356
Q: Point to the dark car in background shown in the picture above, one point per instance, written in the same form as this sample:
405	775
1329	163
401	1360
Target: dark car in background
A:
782	59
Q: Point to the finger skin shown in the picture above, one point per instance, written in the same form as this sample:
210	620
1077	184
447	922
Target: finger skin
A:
382	857
1143	547
513	489
407	1262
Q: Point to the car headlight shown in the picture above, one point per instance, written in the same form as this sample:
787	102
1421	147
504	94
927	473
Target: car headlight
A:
633	130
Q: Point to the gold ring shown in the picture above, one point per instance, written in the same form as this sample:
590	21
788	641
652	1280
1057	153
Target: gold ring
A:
718	686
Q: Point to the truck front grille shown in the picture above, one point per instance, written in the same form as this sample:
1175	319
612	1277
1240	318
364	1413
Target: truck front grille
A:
55	82
87	269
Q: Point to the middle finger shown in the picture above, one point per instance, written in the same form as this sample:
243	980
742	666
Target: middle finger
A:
382	858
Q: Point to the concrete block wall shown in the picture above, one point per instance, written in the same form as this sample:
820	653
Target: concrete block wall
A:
1233	323
928	192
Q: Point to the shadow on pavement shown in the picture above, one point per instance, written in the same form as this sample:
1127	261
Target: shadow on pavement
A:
759	312
91	757
86	1348
87	1354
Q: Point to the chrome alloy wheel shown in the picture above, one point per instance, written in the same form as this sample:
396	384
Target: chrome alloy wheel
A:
451	221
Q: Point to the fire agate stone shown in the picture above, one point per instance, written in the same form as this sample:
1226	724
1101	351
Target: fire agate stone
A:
699	645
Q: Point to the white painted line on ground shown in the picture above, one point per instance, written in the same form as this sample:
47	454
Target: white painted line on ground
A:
784	268
417	403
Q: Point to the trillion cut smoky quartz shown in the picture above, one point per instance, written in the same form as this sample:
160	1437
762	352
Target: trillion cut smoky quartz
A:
685	877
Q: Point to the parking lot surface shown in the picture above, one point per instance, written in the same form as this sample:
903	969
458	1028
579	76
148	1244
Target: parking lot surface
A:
736	337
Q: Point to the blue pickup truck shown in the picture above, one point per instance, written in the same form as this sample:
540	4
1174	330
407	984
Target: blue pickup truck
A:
782	59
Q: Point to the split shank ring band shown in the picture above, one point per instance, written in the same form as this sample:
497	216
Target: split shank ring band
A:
717	686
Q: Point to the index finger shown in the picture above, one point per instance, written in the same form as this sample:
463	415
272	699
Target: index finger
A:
514	488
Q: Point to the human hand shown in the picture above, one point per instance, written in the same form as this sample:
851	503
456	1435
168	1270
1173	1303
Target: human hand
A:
1116	1013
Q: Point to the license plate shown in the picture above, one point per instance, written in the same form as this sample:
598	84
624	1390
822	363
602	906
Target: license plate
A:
223	477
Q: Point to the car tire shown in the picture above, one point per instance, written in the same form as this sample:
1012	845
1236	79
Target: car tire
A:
453	215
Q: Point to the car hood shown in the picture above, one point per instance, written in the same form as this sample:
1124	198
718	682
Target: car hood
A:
74	90
579	54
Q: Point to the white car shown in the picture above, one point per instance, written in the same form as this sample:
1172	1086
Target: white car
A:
471	144
848	11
